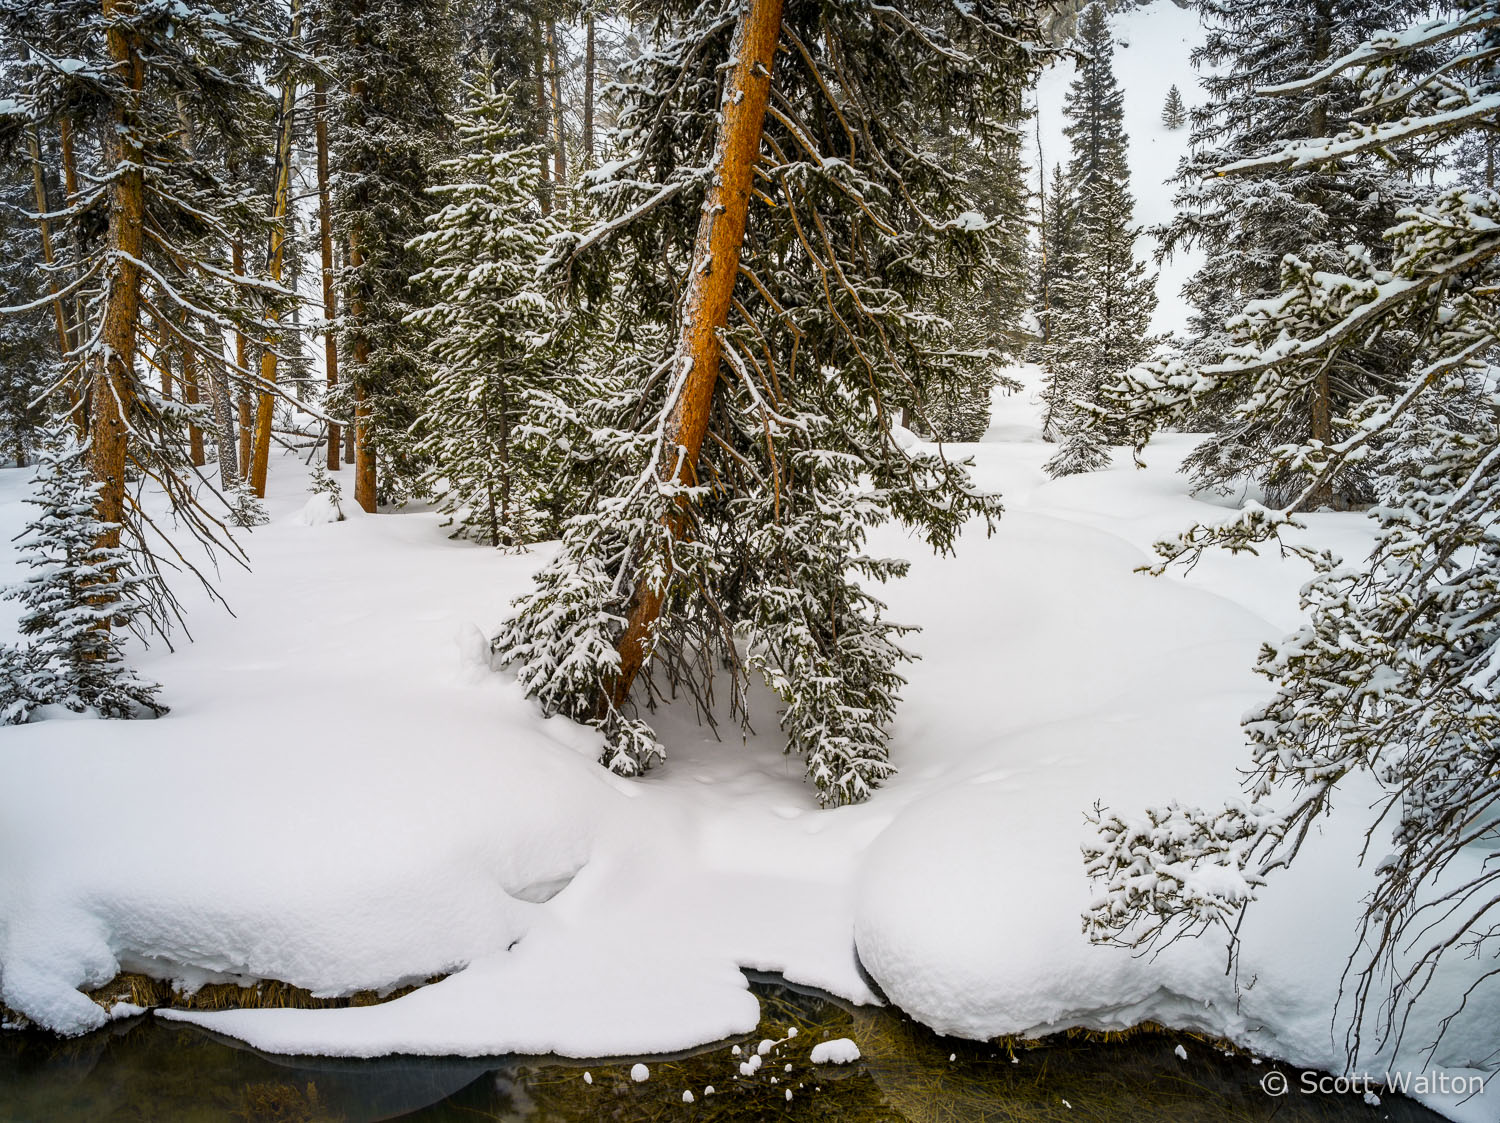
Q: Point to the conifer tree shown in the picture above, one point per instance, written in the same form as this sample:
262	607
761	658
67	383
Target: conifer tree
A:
1101	303
1246	225
491	331
1099	331
767	365
1394	679
1058	247
1174	113
77	590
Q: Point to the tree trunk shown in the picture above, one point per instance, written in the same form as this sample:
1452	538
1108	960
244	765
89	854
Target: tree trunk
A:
706	303
218	391
588	93
70	185
560	157
325	237
113	365
364	455
64	322
44	228
260	459
241	357
191	396
541	117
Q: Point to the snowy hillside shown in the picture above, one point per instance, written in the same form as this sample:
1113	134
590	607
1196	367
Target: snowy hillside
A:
423	818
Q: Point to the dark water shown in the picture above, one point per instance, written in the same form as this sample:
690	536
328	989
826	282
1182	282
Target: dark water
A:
149	1069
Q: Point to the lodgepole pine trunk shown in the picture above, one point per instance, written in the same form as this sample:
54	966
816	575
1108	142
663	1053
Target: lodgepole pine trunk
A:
706	302
218	392
191	396
44	227
241	357
542	129
112	374
588	93
260	455
560	158
364	455
66	328
325	236
70	185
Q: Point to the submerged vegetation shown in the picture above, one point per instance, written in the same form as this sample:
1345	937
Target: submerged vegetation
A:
148	1069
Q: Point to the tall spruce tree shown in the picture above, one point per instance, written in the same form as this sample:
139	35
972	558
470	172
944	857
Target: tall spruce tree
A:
1246	225
1101	303
1394	679
492	332
768	364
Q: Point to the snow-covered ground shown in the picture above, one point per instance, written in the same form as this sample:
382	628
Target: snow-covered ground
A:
345	796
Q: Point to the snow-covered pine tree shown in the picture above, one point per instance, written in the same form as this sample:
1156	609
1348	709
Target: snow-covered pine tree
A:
77	590
395	65
767	365
1099	329
1058	243
1173	112
1245	225
1396	675
1102	302
490	330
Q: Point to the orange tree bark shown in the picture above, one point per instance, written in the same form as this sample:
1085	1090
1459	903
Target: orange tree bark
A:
261	452
325	237
706	303
364	455
112	375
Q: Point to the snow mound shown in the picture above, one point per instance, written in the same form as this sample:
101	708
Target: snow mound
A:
841	1051
317	511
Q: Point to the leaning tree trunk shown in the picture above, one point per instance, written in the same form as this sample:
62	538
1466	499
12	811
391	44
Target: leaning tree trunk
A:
260	458
706	302
112	373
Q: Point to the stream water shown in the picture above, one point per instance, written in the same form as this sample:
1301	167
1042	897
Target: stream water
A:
152	1069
